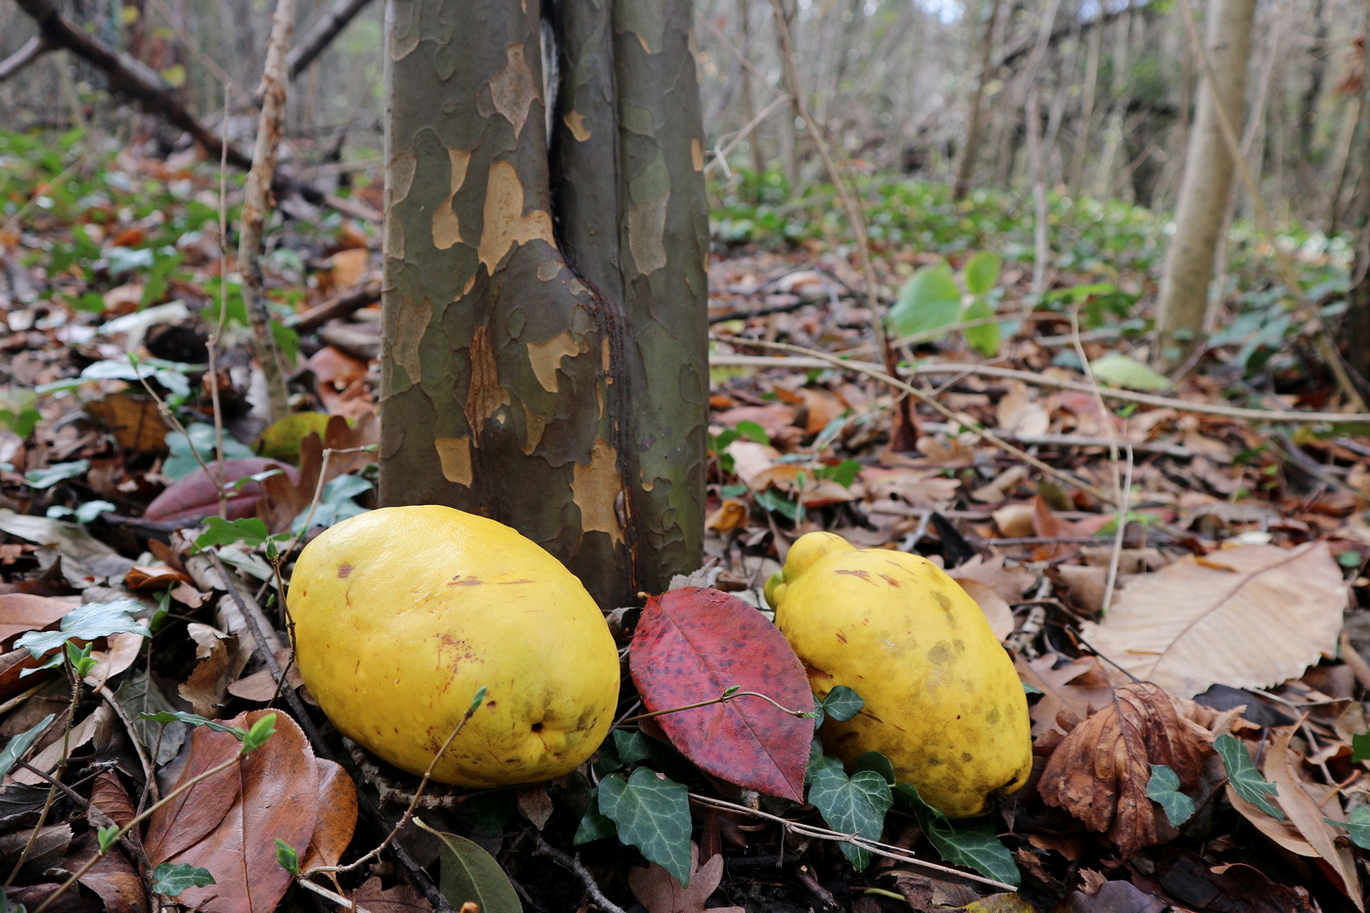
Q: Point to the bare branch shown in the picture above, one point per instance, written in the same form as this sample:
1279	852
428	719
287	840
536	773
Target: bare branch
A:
34	48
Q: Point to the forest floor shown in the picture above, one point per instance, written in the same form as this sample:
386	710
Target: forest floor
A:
1176	568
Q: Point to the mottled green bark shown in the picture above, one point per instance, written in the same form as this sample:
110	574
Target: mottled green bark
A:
545	329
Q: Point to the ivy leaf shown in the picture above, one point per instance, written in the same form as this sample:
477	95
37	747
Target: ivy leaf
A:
928	302
1244	777
593	824
1164	789
1120	370
15	748
851	805
841	704
977	847
170	880
653	814
471	875
1357	826
86	622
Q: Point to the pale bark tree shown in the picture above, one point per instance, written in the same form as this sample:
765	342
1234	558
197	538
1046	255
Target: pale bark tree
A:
1183	306
544	300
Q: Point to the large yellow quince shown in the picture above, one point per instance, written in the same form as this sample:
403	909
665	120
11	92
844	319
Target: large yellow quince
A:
942	699
402	614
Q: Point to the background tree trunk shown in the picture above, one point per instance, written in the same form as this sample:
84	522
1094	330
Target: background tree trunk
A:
532	289
1207	184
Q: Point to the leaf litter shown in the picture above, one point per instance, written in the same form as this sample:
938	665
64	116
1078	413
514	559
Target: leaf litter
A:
1202	641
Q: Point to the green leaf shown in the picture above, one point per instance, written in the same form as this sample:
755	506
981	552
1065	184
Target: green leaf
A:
335	504
976	847
251	530
841	703
653	814
981	272
1164	789
928	302
470	874
179	716
753	431
49	476
1360	747
1119	370
1244	777
86	622
15	747
79	657
985	337
1357	826
107	836
851	805
593	824
170	880
286	857
260	731
874	760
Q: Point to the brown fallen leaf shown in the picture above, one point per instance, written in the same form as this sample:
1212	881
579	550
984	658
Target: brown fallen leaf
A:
1304	831
229	823
1099	772
1076	688
337	816
22	612
112	877
658	891
1246	617
402	898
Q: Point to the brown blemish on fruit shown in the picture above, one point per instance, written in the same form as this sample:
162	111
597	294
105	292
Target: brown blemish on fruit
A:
942	599
842	638
344	570
864	575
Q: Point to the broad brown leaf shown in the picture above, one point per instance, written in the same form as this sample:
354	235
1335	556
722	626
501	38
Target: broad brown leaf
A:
337	816
1100	771
1247	617
229	823
694	643
1076	689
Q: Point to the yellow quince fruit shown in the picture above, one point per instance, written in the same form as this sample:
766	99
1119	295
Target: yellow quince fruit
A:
402	614
942	699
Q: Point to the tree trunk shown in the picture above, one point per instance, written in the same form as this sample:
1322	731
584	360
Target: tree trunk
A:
544	302
965	167
1182	311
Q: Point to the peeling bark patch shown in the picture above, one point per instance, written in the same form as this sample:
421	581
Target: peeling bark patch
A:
505	222
697	154
454	455
410	325
545	358
486	397
646	230
549	270
533	426
513	89
446	227
575	122
594	488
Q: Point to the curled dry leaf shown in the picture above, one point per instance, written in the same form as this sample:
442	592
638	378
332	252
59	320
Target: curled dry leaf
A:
694	643
658	891
1246	617
195	496
1070	691
1099	772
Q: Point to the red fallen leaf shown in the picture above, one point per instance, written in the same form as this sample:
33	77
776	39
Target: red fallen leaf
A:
229	823
694	643
193	497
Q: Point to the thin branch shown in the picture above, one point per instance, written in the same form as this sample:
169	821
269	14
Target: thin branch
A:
317	39
809	358
34	48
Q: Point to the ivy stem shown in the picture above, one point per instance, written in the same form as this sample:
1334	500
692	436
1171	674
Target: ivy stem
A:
727	696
